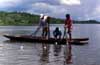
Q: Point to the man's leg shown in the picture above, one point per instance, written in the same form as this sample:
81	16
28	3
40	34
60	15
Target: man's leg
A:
64	32
43	32
69	33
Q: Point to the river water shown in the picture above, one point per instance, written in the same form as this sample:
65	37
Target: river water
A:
26	53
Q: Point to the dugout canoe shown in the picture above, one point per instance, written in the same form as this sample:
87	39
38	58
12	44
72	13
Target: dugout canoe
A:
37	39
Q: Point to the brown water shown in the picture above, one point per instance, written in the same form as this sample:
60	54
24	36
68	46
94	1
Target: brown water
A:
22	53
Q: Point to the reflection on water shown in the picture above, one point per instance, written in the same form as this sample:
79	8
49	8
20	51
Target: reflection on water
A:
57	49
28	53
45	54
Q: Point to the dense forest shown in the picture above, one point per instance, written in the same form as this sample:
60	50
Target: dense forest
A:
25	19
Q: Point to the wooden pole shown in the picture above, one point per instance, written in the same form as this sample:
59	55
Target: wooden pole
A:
48	21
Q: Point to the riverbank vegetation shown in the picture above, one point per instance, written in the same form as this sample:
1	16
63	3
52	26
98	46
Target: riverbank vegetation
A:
25	19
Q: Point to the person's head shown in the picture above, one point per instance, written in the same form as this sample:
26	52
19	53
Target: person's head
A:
41	16
57	28
67	15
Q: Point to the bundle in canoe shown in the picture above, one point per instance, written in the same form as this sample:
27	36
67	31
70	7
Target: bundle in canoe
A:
29	38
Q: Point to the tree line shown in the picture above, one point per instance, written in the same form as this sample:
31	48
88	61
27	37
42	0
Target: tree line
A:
27	19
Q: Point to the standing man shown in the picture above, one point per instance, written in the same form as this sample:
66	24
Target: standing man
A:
45	26
68	26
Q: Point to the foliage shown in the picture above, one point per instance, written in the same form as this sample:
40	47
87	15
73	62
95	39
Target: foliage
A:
23	18
16	18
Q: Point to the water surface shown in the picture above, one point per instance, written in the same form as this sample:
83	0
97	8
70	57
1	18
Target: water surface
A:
22	53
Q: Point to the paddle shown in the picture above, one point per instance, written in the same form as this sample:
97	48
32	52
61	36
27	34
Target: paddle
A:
38	28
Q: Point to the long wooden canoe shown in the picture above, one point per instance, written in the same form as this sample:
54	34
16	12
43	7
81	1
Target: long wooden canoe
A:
29	38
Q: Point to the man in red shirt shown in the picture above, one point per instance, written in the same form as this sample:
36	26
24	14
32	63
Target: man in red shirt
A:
68	25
